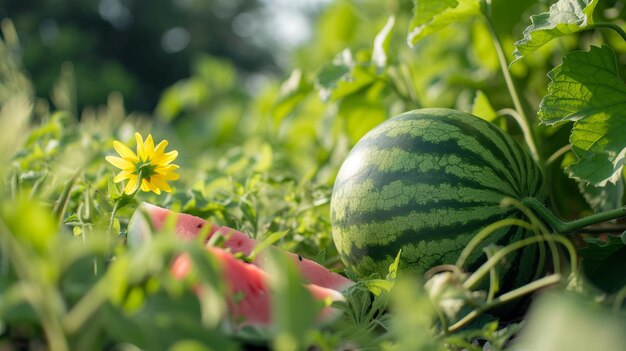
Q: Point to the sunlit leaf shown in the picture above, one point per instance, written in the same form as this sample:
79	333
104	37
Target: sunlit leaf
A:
565	17
587	90
482	107
380	52
430	16
292	92
603	198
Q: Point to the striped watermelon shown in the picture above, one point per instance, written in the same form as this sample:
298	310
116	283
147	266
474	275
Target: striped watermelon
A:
426	182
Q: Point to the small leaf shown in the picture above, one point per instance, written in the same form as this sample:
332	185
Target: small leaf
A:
603	262
587	90
482	108
267	241
393	267
565	17
292	92
114	192
321	257
603	198
381	44
72	220
430	16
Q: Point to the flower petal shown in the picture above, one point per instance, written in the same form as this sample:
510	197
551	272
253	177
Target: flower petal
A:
125	152
121	176
148	147
166	158
144	185
160	183
140	148
160	149
166	169
154	188
121	163
132	185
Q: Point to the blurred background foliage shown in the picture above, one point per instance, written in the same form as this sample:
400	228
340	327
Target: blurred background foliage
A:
263	100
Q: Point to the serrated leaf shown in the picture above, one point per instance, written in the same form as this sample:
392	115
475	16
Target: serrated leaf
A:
565	17
587	90
603	198
430	16
381	44
603	262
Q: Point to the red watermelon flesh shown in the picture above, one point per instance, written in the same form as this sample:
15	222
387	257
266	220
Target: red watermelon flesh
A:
251	283
188	227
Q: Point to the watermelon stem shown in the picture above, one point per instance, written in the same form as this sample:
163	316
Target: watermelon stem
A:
504	298
563	227
478	275
485	232
519	115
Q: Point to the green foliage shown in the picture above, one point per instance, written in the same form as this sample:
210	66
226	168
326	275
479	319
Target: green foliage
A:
587	90
430	16
262	158
565	17
602	262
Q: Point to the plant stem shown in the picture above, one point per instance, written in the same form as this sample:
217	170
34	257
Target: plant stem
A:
523	119
484	269
613	26
488	230
567	227
112	219
504	298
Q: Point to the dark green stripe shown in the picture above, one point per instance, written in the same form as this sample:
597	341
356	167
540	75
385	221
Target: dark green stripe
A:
354	218
434	177
412	144
410	237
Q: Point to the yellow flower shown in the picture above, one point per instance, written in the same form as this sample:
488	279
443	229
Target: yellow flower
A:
151	166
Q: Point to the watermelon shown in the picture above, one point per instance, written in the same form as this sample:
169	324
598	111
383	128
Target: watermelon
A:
251	285
425	182
187	227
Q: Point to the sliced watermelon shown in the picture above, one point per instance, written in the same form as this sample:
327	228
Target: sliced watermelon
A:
188	226
251	284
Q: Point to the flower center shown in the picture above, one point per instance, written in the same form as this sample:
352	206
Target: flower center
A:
145	169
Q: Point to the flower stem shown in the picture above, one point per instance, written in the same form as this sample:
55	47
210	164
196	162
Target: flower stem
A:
568	227
112	219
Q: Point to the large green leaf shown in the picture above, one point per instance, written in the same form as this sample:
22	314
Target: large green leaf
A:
603	262
565	17
587	90
430	16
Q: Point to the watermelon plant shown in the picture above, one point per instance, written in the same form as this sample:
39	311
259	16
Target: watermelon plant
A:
432	175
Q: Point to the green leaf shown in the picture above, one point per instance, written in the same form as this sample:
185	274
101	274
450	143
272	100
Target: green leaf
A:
293	308
292	92
565	321
565	17
482	107
587	90
346	75
603	198
430	16
603	262
380	52
268	241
